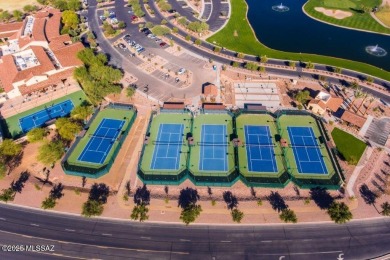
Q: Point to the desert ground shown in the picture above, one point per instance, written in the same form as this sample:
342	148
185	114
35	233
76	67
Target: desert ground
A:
338	14
11	5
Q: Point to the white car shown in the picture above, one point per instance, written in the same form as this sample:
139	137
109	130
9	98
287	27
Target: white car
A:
181	71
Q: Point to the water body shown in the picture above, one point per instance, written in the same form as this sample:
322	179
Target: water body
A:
294	31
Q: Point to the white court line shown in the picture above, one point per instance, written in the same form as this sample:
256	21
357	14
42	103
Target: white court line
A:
319	155
152	166
271	150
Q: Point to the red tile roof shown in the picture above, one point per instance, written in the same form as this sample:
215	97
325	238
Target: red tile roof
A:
10	27
210	90
67	56
52	80
38	31
53	26
334	103
353	119
214	107
171	105
9	73
59	42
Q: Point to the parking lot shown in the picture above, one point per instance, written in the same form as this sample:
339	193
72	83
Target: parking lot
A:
169	79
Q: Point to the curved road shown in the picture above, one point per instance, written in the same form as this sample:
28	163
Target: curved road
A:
163	91
75	236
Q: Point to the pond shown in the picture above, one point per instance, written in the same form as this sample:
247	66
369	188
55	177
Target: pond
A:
294	31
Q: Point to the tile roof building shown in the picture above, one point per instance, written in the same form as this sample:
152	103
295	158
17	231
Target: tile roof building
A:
36	54
324	101
354	119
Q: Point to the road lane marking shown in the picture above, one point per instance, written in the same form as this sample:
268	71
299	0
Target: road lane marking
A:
146	237
106	234
35	225
225	241
70	230
266	241
91	245
184	240
2	218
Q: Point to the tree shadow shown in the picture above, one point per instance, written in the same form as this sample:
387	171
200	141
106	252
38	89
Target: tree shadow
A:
83	181
128	188
230	199
209	191
99	192
297	191
19	184
276	201
14	162
253	192
142	196
188	197
321	197
56	191
368	195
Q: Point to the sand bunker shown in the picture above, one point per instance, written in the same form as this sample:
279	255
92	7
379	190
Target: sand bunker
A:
338	14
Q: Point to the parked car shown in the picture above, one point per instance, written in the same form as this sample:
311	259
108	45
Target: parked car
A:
181	71
122	46
141	50
172	11
162	44
134	18
177	80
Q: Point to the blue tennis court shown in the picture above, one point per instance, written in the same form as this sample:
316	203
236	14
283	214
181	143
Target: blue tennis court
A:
166	155
39	118
259	149
306	151
101	142
213	150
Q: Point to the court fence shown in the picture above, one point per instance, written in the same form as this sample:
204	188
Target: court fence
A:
88	170
331	181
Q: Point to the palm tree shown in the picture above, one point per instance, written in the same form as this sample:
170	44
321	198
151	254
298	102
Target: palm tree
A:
237	215
371	101
357	94
288	215
385	209
339	212
365	96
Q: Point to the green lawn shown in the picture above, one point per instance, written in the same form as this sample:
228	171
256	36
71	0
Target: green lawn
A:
238	36
344	4
348	146
358	20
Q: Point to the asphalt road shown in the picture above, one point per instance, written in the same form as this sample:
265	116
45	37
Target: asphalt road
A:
75	236
162	90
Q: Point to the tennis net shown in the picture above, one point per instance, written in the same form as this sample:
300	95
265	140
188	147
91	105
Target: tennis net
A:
305	146
103	137
212	144
168	143
259	145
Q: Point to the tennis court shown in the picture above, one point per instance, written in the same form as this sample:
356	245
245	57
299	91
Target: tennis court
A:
101	141
259	149
40	117
306	150
166	155
213	150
